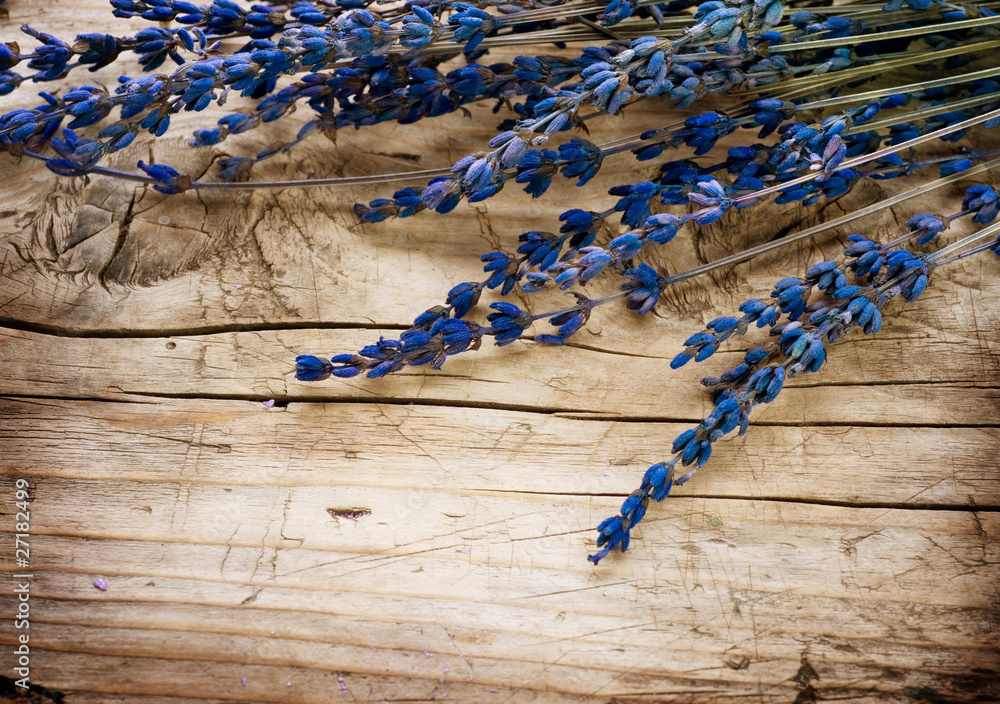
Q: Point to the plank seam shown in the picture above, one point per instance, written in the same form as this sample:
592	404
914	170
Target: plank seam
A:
571	414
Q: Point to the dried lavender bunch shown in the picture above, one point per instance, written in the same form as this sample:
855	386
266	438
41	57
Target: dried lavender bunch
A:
833	97
359	67
616	80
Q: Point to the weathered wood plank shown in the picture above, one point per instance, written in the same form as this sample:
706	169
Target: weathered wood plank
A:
455	450
848	542
375	556
210	550
271	663
298	256
708	600
258	365
173	680
252	548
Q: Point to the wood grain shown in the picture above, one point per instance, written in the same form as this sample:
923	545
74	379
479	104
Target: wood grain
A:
423	537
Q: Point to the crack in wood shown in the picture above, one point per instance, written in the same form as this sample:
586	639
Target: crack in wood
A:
555	411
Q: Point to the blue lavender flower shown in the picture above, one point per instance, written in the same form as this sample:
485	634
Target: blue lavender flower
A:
581	160
503	270
472	25
983	200
926	227
509	322
644	286
168	179
569	321
310	368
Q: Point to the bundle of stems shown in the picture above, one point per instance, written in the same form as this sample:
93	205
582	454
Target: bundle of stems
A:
826	98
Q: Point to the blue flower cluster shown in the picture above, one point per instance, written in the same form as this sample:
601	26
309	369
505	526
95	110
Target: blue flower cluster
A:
372	86
867	259
444	337
383	69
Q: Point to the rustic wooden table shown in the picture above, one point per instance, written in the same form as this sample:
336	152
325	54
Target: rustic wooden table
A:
424	536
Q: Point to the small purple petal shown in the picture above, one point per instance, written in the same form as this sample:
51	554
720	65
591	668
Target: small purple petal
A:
269	403
101	584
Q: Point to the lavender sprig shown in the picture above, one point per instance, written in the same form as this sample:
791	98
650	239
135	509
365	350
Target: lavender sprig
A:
435	335
799	345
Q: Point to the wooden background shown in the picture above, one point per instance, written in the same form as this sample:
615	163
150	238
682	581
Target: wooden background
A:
424	536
